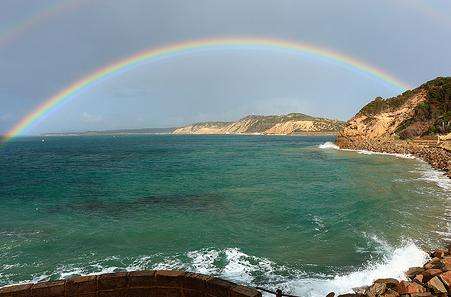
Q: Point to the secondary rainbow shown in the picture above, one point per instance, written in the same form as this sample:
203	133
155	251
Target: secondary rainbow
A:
188	47
20	27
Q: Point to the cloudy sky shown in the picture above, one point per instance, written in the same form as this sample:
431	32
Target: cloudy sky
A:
45	45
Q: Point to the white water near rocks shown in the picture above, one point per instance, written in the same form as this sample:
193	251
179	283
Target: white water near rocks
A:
428	173
243	268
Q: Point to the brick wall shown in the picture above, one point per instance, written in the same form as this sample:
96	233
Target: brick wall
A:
165	283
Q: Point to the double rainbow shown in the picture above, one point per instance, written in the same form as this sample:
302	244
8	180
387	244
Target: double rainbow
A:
188	47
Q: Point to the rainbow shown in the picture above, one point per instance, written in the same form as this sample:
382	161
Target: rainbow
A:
14	31
188	47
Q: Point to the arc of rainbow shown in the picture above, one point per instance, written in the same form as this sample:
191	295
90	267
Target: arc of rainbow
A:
20	27
188	46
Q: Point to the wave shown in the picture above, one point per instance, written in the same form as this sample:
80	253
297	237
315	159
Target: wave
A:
431	175
331	145
391	266
428	173
235	265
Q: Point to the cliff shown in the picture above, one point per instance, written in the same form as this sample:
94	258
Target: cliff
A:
424	111
293	123
417	122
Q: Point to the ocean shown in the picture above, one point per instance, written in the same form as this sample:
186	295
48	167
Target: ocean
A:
289	212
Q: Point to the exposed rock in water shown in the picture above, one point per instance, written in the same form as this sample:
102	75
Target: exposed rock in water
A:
293	123
417	122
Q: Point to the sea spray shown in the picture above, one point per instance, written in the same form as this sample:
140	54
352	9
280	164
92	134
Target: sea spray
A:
243	268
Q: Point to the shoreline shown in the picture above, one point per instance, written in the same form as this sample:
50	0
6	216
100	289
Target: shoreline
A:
432	279
437	157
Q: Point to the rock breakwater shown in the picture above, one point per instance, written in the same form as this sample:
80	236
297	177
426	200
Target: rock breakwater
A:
436	156
433	279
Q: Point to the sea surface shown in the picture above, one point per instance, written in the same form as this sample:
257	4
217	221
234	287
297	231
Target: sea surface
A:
281	212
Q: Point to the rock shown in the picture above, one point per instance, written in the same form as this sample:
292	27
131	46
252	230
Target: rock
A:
405	287
390	293
425	294
361	290
446	278
331	294
428	265
413	271
389	282
434	263
419	278
439	253
377	289
446	261
430	273
437	286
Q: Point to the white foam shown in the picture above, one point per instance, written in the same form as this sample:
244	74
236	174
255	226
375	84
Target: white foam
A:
235	265
329	146
439	178
393	265
365	152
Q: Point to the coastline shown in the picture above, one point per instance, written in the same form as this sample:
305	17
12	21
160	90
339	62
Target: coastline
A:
435	156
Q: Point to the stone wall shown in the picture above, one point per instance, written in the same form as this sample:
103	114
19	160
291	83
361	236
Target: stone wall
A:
165	283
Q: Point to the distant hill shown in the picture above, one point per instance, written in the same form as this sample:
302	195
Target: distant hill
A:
292	123
115	132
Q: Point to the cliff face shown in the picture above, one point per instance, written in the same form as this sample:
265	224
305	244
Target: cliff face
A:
255	124
417	122
423	111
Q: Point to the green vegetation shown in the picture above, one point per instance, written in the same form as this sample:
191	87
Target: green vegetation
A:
429	117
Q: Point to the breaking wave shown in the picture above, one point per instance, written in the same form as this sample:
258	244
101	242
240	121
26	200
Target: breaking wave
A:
235	265
331	145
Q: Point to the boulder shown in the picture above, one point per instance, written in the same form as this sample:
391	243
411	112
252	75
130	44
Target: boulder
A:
430	273
437	286
376	289
389	282
434	263
361	290
439	253
390	293
414	271
446	261
405	287
446	278
419	278
425	294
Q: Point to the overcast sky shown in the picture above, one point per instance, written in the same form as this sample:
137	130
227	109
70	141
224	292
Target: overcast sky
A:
409	38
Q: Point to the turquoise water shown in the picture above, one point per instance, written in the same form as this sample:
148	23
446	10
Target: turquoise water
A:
275	211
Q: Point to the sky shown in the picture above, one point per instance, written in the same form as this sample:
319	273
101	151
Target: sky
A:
46	45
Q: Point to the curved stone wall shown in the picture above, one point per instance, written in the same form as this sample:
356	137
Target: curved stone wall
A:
161	283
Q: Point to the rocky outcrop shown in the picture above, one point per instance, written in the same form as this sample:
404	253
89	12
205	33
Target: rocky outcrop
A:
433	279
423	111
293	123
417	122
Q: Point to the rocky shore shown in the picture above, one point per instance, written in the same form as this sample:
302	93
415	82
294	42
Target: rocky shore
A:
433	279
437	157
